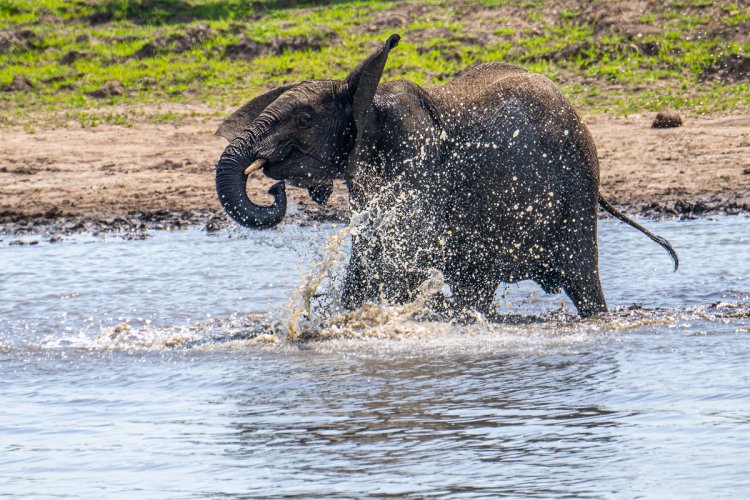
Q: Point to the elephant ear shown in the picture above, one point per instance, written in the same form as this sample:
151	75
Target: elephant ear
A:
243	117
363	82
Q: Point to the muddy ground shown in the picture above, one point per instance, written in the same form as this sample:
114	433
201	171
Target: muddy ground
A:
109	178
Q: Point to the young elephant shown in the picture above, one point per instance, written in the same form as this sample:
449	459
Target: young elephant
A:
491	178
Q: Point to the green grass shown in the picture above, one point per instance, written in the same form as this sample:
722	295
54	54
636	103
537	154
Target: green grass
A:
70	49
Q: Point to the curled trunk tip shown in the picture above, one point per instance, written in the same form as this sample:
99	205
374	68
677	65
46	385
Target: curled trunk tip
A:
231	183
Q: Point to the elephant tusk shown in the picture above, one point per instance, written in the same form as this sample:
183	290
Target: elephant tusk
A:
256	165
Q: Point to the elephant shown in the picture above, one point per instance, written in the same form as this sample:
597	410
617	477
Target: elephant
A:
491	178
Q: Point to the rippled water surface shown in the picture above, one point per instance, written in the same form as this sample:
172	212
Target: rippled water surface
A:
135	369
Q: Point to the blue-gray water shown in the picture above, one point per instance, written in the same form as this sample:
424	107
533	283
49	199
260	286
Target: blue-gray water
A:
650	402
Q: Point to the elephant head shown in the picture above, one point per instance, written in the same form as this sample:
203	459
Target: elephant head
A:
299	133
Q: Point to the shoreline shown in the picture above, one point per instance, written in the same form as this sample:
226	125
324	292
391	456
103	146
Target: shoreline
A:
119	180
137	225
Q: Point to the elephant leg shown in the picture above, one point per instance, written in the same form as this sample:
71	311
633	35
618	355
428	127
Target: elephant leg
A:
402	286
372	275
359	283
354	292
585	290
549	280
474	291
579	260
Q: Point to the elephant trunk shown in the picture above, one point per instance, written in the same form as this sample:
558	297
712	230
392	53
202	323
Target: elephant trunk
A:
231	181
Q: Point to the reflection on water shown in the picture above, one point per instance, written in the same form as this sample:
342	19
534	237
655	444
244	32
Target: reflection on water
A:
651	401
455	425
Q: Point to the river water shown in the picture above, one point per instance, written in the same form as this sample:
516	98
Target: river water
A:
160	369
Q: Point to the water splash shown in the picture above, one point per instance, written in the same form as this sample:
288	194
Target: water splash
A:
374	319
408	327
218	333
316	305
302	298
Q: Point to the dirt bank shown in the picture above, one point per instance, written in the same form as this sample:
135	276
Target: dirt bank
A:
161	176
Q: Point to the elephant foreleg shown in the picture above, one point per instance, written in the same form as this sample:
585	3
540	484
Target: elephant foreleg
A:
473	291
359	282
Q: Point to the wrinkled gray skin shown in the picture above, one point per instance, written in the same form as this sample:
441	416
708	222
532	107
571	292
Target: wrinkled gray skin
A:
491	178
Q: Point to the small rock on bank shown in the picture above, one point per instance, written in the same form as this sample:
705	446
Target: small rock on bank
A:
667	119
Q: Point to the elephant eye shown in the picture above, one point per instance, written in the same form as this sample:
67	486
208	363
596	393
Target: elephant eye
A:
303	120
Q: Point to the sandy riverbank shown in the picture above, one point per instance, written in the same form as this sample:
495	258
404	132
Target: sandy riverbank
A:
162	176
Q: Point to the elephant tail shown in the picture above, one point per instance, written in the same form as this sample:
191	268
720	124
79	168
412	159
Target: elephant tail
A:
658	239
